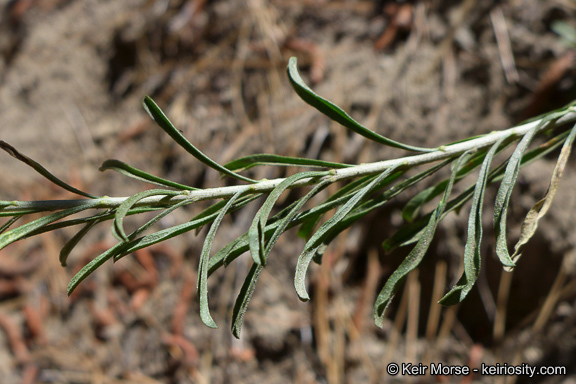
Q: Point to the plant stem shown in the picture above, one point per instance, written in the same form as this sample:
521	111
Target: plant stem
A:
263	186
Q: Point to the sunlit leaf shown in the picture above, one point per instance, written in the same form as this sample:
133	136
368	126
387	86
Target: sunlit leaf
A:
160	118
41	170
336	113
137	174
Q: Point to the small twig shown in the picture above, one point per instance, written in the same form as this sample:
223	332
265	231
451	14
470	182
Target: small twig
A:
35	324
15	338
504	45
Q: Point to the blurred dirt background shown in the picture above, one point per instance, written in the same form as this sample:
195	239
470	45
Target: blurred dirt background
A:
72	78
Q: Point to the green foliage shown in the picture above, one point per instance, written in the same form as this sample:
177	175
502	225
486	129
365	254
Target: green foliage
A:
369	187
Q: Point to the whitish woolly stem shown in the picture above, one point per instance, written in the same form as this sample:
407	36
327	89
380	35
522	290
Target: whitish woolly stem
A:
265	186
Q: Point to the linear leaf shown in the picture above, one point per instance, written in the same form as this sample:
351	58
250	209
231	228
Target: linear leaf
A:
376	202
168	233
241	245
41	170
216	207
339	198
285	222
410	233
163	122
70	244
9	223
412	208
316	240
243	299
121	248
130	202
336	113
308	226
93	265
271	233
565	30
248	162
472	256
124	248
505	191
157	218
202	285
539	209
417	254
25	230
255	233
135	173
103	216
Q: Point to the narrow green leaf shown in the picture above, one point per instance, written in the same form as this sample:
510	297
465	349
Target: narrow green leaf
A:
417	254
248	162
134	244
255	232
19	212
407	234
122	248
130	202
337	114
414	205
539	209
234	249
244	297
157	218
70	244
505	192
160	118
103	216
41	170
25	230
9	223
168	233
311	219
316	240
410	233
285	222
308	226
216	207
202	285
472	255
135	173
376	202
93	265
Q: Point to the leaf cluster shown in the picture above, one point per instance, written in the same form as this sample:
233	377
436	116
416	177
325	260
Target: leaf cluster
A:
370	186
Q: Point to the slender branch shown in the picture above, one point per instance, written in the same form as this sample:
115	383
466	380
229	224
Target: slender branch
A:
264	185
